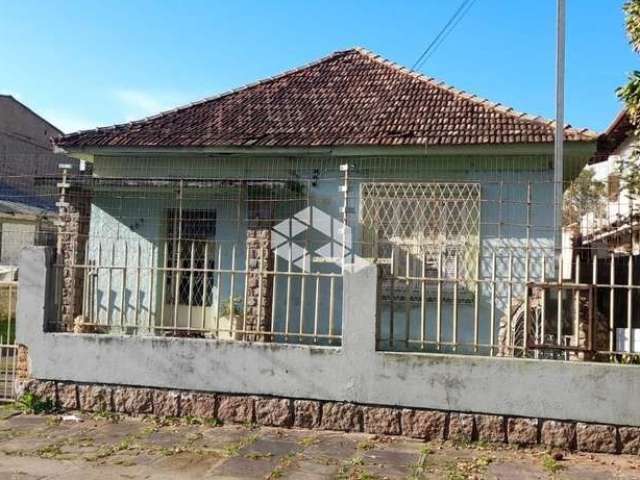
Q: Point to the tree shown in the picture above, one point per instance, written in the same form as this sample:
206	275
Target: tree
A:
585	195
630	93
629	171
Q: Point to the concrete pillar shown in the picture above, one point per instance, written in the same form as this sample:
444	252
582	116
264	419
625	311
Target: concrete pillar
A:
35	307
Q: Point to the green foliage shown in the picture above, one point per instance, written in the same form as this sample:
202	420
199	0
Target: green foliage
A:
632	22
551	465
32	403
630	93
584	195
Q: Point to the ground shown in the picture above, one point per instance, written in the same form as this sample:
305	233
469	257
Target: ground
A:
105	447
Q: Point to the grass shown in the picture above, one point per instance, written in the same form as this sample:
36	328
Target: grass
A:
233	449
551	465
418	470
466	470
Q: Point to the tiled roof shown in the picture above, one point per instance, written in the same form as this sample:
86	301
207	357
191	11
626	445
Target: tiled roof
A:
614	136
352	97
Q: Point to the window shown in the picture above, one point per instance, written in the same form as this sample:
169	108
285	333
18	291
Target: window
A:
423	225
190	236
613	187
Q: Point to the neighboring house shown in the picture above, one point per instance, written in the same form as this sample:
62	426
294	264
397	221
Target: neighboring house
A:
609	236
434	183
26	153
612	224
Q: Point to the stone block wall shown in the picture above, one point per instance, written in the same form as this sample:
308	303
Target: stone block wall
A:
259	284
428	425
74	233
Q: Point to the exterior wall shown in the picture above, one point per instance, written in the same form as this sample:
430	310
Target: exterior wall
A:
620	205
14	237
354	372
25	148
503	230
132	232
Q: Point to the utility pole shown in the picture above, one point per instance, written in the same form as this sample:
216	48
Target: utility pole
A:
558	151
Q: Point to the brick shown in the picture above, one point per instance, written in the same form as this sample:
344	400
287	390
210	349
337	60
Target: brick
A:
522	431
236	409
557	434
384	421
67	396
200	405
132	400
95	398
344	417
166	403
274	412
596	438
306	413
424	424
491	428
461	427
629	440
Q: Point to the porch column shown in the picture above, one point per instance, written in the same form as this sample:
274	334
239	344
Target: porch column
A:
75	232
259	283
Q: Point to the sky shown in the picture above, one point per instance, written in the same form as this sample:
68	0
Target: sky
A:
88	63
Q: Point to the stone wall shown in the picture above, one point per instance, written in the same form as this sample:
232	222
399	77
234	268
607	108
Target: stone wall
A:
75	230
259	283
23	368
428	425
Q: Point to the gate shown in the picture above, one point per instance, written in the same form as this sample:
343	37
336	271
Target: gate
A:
8	347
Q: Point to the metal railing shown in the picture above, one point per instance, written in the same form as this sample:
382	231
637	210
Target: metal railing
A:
198	289
536	310
8	349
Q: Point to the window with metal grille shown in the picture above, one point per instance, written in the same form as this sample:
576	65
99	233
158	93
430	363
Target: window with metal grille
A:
190	248
422	228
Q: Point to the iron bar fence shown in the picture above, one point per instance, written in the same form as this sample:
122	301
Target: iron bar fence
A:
465	250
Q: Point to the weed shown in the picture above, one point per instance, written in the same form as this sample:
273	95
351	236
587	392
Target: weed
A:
418	470
275	473
366	445
233	449
258	456
214	422
467	469
107	415
32	403
308	441
250	425
50	451
551	465
189	420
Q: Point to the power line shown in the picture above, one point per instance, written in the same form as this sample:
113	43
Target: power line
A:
451	24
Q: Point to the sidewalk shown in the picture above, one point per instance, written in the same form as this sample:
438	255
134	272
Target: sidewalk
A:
111	447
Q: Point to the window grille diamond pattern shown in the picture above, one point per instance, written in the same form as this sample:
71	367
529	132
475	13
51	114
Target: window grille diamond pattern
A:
421	221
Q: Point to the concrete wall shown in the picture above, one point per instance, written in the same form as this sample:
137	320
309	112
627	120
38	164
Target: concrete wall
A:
354	372
14	236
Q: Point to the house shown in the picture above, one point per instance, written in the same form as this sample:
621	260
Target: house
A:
26	153
607	239
234	217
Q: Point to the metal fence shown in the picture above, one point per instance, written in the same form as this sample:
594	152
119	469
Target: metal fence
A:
467	253
8	349
204	289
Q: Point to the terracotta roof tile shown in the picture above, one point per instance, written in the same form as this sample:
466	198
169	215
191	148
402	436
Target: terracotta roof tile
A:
353	97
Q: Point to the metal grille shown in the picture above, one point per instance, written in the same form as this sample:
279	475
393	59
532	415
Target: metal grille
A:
432	225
